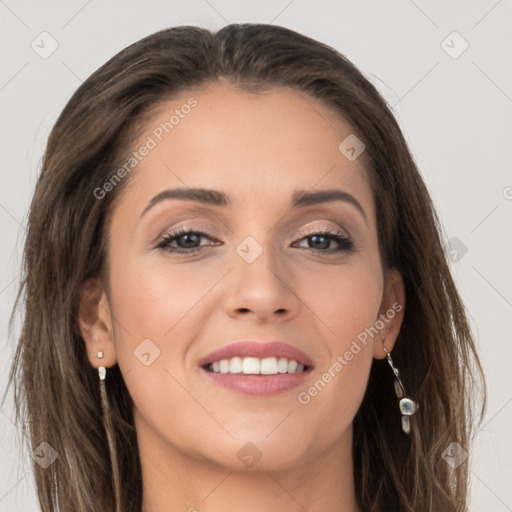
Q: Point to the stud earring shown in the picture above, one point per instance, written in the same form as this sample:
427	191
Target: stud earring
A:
407	406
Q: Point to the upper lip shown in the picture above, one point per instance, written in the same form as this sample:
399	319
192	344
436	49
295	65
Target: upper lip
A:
257	349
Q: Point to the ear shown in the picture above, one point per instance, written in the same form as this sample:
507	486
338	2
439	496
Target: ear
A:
391	314
94	321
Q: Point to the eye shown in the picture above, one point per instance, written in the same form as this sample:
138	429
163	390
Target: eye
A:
319	240
186	238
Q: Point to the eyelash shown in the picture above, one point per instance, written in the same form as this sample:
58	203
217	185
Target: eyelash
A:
346	245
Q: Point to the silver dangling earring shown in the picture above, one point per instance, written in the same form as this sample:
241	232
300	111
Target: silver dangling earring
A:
407	406
107	423
101	370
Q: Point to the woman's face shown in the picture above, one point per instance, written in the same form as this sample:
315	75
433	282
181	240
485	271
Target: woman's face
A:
256	268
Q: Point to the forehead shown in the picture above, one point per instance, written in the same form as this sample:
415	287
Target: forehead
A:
254	145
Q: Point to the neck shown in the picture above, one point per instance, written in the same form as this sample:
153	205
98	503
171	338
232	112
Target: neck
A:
177	481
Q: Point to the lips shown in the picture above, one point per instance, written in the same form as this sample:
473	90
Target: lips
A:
257	349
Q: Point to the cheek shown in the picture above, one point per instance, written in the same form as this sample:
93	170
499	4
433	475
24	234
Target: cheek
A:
153	306
345	306
345	301
159	309
345	311
153	299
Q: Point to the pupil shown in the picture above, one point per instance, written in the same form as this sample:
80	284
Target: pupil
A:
187	237
316	237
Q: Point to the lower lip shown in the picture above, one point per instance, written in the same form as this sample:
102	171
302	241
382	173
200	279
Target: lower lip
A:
258	385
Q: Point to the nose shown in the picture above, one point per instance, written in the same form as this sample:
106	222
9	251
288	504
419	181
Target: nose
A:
261	289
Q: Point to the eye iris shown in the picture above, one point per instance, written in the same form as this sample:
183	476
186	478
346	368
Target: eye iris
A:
323	245
189	237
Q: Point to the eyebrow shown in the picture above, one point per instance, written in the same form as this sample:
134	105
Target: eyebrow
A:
300	198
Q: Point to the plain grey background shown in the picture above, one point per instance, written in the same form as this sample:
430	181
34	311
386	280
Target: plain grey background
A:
445	68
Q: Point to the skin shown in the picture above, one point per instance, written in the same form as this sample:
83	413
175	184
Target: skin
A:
258	149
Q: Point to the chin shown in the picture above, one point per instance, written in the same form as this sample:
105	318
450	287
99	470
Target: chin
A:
256	452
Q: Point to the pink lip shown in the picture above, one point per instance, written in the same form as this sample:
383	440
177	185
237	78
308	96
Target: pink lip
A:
258	385
257	349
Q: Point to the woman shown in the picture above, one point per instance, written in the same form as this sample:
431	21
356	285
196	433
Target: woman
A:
235	291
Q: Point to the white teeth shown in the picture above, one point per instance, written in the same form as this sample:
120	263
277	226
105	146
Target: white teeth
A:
224	366
282	365
292	366
235	365
269	366
254	365
250	365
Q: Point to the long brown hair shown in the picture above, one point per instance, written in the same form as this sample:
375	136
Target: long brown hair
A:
56	390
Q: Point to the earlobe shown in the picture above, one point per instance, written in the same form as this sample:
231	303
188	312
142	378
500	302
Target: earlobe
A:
94	322
391	314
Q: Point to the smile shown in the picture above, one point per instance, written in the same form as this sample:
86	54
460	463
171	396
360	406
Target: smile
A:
256	366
